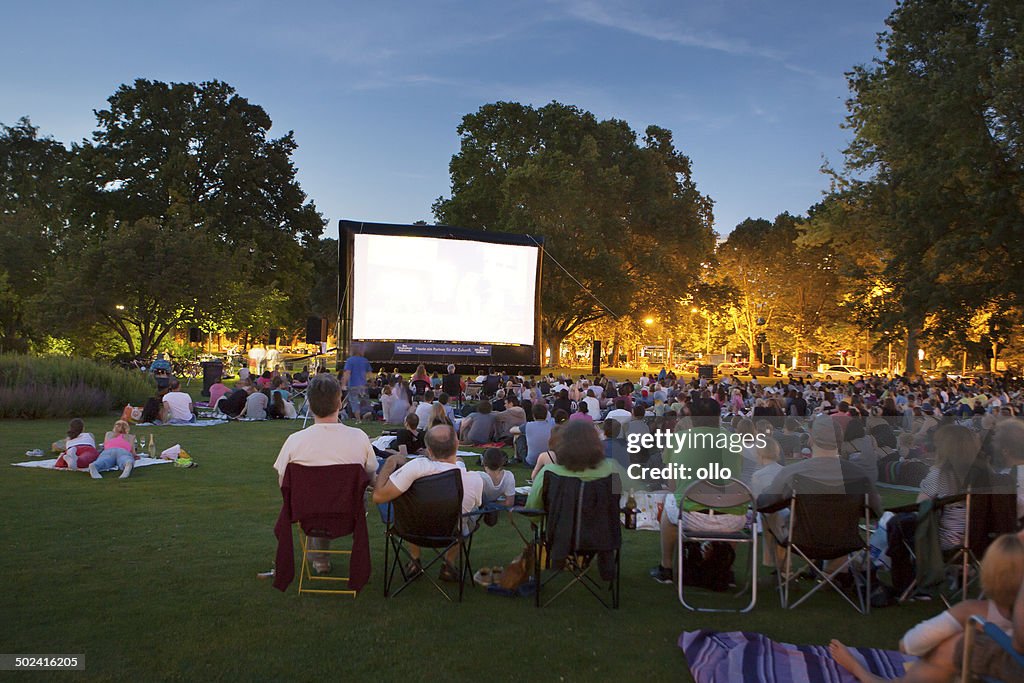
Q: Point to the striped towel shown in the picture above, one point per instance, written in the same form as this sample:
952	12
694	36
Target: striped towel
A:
740	656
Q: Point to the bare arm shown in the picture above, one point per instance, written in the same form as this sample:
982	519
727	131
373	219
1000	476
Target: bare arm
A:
1018	620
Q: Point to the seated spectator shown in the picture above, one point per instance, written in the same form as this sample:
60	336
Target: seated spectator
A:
255	404
233	404
938	642
637	423
790	439
479	427
824	469
619	412
217	390
401	403
563	402
582	413
325	442
438	416
499	485
409	436
614	444
178	406
861	448
579	455
78	449
264	380
956	468
537	434
513	416
550	455
769	467
498	404
397	475
700	450
424	407
445	400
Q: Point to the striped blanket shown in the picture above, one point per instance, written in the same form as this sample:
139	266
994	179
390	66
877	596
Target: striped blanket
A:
738	656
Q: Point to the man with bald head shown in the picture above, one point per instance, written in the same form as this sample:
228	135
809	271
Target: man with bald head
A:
398	474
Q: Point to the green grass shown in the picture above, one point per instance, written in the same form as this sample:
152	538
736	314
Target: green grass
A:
153	578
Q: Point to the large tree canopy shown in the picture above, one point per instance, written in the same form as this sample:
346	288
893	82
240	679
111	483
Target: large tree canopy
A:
935	174
623	217
200	154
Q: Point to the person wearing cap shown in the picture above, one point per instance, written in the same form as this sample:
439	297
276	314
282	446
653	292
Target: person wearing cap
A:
824	467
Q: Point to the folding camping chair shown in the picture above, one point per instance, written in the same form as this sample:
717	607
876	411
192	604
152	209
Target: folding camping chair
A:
428	515
1004	641
326	502
578	532
715	498
825	525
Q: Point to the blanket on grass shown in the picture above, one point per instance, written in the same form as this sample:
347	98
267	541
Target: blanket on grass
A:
197	423
740	656
49	464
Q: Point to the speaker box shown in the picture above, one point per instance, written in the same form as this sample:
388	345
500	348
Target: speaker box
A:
195	336
595	358
272	337
316	330
706	372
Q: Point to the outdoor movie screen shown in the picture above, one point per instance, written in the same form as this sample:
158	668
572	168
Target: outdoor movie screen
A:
443	290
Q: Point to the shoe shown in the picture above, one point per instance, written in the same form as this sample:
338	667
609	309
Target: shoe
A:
127	470
921	596
449	573
413	569
94	473
71	460
661	574
322	567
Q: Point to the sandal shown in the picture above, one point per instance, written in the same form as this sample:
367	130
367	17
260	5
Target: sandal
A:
449	573
412	569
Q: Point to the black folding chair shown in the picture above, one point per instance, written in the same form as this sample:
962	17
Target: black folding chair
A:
825	524
715	497
579	533
428	515
961	558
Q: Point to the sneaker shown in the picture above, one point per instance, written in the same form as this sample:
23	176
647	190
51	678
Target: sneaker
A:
71	460
127	470
661	574
94	473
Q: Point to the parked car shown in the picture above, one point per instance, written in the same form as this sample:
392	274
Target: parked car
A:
732	369
844	373
803	372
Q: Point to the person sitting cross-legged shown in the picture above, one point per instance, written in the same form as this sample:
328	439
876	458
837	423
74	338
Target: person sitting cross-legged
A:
397	476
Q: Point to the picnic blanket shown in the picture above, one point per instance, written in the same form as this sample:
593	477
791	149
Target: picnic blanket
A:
741	656
197	423
50	464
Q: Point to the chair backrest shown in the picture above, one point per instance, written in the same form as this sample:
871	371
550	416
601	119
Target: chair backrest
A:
327	498
429	513
584	513
726	494
825	521
420	386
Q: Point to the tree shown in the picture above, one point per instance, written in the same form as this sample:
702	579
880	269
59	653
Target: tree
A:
140	280
33	171
623	218
199	155
936	167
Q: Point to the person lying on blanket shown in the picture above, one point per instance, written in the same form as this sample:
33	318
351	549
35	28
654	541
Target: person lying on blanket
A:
118	452
939	640
78	450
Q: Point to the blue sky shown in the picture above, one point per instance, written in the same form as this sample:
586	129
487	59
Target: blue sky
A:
753	90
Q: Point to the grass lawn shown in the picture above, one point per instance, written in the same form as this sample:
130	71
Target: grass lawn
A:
153	578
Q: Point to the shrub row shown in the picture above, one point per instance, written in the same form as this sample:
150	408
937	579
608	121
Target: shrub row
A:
55	386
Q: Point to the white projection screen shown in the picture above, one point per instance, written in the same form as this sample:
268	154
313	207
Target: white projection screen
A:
408	287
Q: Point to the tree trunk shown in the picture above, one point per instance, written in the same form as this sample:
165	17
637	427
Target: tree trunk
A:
913	329
554	345
614	362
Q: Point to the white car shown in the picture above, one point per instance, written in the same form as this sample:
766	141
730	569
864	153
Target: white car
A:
803	372
732	369
842	373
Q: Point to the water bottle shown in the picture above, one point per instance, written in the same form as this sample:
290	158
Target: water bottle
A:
152	446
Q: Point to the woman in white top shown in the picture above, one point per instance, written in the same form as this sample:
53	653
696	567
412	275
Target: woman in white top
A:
935	640
401	403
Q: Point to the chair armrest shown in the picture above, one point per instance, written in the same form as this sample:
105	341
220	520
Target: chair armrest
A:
528	512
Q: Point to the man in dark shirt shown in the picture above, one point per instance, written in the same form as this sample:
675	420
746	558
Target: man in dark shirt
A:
410	436
451	383
232	404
